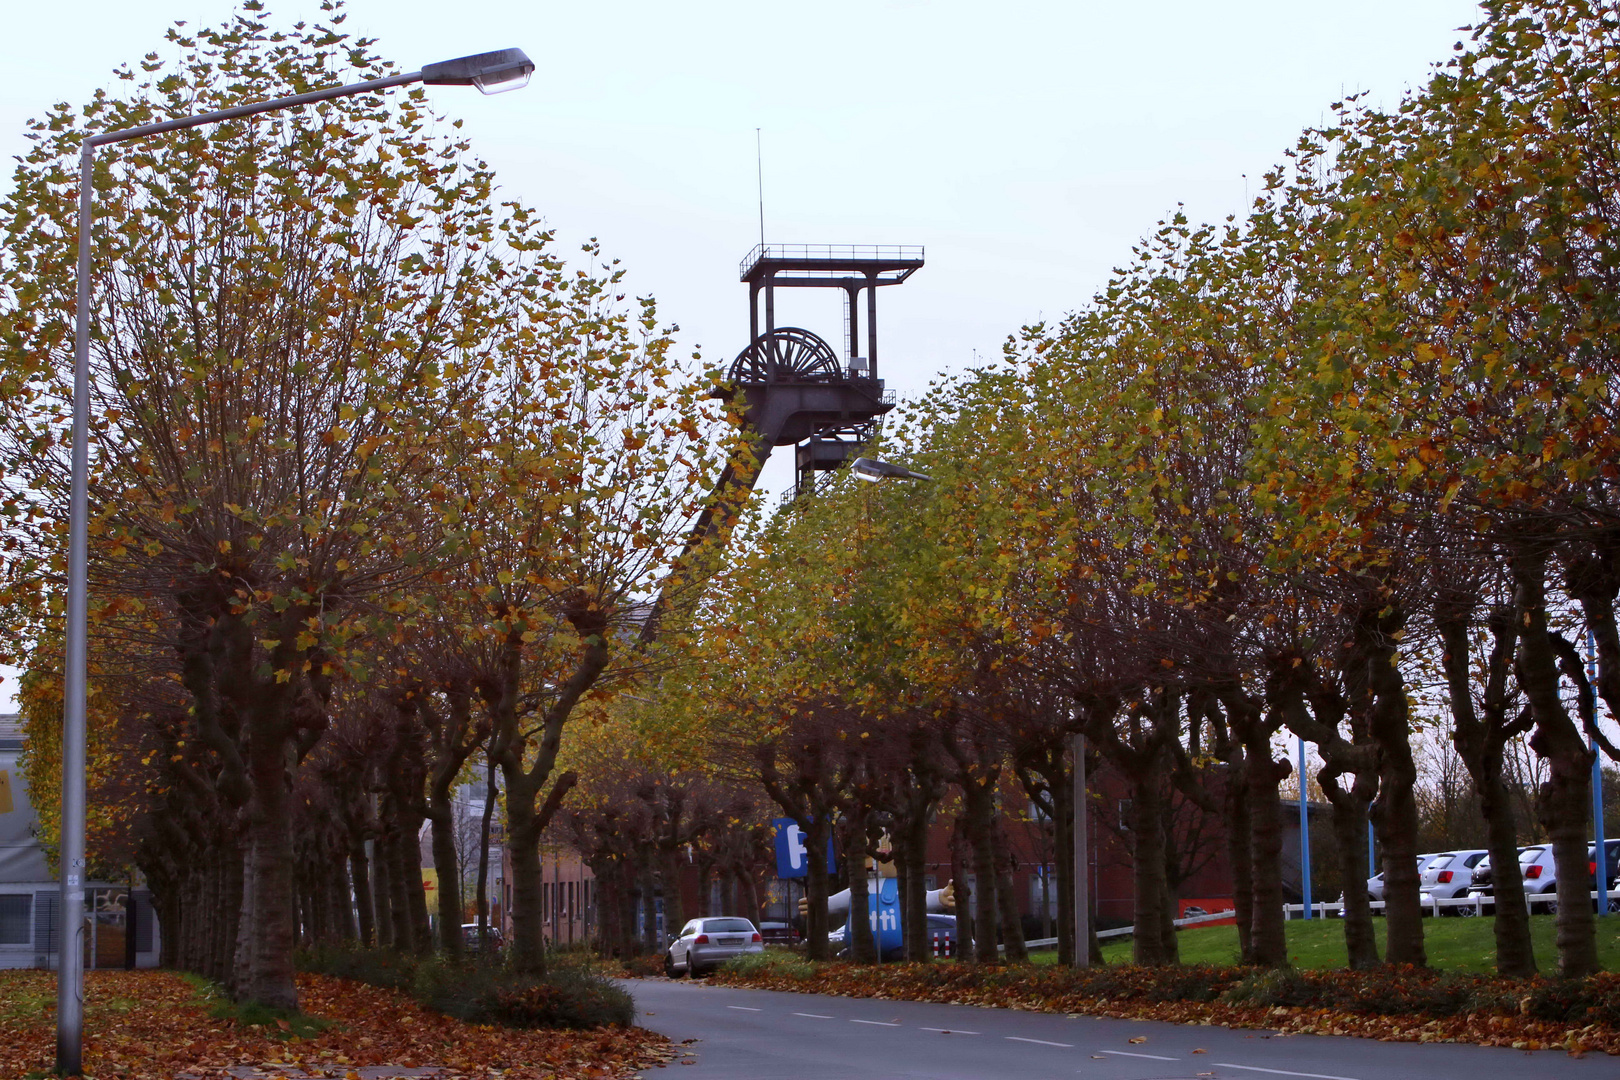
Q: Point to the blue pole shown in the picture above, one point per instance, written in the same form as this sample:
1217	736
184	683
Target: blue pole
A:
1304	834
1598	852
1599	855
1372	863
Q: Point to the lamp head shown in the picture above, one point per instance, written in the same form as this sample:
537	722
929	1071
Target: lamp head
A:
872	470
492	72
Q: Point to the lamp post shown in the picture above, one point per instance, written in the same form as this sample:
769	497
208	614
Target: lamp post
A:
1082	859
492	73
1304	836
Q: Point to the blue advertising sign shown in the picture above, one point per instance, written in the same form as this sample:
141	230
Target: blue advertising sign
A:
791	858
883	909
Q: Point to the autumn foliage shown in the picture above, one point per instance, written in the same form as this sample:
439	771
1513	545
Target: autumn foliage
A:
156	1026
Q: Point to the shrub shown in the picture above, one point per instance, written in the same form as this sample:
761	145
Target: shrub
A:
1595	1000
1388	991
640	967
572	994
777	962
374	967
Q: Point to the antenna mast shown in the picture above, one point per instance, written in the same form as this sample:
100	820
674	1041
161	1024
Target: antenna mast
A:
759	165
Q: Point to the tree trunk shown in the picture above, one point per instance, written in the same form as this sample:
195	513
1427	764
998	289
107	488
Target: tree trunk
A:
1395	811
1350	825
410	850
1239	853
1480	736
980	807
266	931
674	905
1012	924
528	891
1063	856
399	892
1268	938
447	868
859	931
1148	943
965	897
1564	799
815	832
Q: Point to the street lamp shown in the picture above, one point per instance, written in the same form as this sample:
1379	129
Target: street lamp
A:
872	470
492	73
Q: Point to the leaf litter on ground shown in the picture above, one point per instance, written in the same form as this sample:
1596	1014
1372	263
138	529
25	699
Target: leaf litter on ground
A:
155	1025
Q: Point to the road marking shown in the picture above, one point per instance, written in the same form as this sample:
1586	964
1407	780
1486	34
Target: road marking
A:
1127	1053
743	1008
951	1031
877	1023
1039	1042
1280	1072
814	1016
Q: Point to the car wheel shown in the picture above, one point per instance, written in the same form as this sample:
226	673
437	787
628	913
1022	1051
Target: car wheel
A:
669	967
1465	911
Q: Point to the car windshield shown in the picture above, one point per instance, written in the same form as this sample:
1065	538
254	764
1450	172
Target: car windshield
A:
1530	855
728	926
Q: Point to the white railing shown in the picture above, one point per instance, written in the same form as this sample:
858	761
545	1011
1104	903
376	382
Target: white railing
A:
1474	905
905	253
1127	931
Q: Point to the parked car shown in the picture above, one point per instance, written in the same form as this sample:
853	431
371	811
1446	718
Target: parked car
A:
1611	866
1484	881
1537	869
941	931
1449	875
1375	886
493	942
705	944
779	933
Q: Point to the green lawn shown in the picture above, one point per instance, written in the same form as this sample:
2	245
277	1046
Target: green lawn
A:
1453	944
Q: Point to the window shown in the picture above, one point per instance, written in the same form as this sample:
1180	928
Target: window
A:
15	912
728	926
1473	860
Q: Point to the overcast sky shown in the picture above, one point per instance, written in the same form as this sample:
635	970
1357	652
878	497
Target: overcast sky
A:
1026	145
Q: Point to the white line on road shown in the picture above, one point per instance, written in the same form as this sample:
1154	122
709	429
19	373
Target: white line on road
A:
1039	1042
743	1008
1127	1053
814	1016
877	1023
1280	1072
951	1031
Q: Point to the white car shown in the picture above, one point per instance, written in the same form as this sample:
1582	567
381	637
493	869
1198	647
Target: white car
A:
1537	869
1449	874
705	944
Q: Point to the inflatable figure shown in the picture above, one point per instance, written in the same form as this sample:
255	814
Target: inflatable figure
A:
883	906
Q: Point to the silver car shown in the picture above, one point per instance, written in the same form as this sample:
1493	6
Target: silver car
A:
705	944
1449	874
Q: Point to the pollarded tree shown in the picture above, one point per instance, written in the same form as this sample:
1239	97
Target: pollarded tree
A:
284	312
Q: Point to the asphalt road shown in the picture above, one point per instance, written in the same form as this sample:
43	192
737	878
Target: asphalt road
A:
767	1035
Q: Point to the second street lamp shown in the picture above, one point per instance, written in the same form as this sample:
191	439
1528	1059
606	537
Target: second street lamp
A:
492	73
